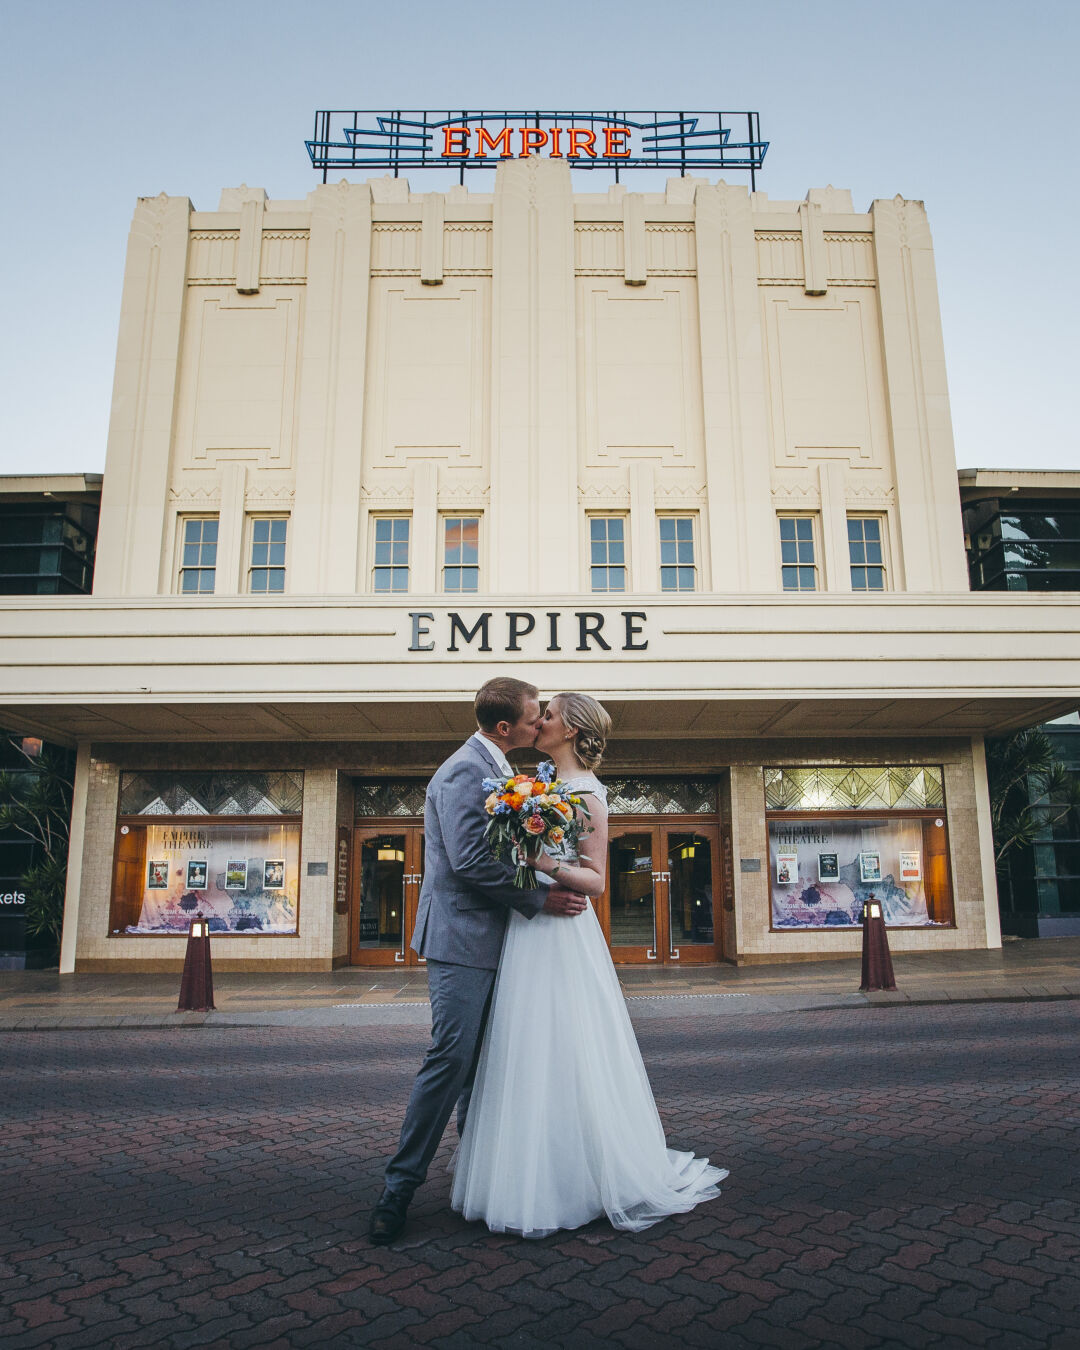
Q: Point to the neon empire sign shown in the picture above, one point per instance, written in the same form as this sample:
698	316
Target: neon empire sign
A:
405	140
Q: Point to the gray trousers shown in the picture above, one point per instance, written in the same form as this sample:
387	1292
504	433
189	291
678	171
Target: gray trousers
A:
460	999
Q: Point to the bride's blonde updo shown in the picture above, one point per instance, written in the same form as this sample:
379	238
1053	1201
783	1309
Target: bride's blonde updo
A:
590	723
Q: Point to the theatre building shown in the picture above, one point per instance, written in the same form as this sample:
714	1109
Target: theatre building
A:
687	450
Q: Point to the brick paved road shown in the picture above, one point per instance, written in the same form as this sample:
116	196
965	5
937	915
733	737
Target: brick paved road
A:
902	1177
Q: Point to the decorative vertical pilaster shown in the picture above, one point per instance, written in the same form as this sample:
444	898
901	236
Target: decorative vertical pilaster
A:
737	451
815	258
249	248
331	404
425	527
635	268
135	492
432	219
644	564
927	494
834	525
229	578
534	463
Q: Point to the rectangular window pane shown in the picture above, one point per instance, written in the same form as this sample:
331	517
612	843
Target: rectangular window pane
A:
677	569
198	556
390	564
461	554
798	563
607	553
865	553
266	572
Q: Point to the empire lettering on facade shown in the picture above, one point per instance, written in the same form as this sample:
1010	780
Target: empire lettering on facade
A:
589	631
579	141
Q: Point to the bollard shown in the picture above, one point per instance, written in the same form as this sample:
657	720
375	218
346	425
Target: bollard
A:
877	971
197	981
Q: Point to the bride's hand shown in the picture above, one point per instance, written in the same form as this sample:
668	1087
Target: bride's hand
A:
540	861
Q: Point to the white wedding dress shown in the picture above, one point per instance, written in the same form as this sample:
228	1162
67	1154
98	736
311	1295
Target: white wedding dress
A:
562	1126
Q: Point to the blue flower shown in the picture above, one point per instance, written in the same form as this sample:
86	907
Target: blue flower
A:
502	808
546	772
493	784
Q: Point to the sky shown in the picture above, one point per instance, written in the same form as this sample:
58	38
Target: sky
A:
969	107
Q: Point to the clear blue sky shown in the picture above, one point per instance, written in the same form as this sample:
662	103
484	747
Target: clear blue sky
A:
971	107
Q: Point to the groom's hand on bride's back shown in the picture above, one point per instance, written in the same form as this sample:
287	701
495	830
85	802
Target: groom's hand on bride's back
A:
561	901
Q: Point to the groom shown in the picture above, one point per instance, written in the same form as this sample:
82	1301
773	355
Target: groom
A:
460	921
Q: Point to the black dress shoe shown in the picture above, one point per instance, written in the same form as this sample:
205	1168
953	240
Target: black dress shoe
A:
388	1218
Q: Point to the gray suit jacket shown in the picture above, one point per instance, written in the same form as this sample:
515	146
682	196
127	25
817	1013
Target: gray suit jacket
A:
466	895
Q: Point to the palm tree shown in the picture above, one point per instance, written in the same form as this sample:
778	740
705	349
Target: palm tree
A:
35	802
1030	790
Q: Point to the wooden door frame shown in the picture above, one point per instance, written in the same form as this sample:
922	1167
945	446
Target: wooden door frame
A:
394	958
618	828
665	953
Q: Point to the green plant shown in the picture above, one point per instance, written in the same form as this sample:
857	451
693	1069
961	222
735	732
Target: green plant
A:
35	802
1030	789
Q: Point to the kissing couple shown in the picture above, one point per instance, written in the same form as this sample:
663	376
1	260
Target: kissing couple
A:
530	1036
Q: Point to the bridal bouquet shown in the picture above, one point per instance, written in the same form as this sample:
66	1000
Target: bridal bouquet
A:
528	811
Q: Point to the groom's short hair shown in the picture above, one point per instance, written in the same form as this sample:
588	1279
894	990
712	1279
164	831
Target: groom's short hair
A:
502	700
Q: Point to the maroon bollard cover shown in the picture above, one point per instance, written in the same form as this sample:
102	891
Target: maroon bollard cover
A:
877	971
197	981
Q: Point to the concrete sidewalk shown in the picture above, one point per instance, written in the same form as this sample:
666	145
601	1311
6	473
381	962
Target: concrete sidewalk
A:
1020	971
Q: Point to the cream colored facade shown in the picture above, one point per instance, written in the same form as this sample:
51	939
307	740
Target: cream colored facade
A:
531	358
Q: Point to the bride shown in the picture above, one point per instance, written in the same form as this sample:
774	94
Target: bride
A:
562	1126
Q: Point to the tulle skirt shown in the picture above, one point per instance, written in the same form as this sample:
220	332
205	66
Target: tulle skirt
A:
562	1127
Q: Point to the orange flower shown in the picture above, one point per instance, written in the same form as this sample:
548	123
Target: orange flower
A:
534	825
538	789
565	809
516	800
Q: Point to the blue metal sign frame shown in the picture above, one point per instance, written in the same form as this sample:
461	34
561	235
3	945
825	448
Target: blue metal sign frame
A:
408	139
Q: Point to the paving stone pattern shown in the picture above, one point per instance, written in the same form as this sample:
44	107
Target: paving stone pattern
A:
900	1177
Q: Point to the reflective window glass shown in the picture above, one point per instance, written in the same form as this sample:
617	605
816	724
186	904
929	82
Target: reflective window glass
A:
390	572
607	553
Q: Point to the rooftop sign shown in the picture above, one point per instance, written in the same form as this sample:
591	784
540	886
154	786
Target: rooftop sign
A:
407	140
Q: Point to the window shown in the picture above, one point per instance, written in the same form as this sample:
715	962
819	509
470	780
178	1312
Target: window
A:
678	570
461	554
607	553
266	575
865	553
798	568
391	570
198	559
842	834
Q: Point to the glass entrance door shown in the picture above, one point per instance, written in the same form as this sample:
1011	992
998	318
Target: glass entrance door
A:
659	900
389	866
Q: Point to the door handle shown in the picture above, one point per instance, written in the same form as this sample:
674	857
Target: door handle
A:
399	956
651	955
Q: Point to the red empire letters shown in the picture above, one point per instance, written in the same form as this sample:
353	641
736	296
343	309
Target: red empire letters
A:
532	140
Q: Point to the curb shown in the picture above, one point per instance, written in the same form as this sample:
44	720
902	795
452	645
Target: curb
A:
376	1014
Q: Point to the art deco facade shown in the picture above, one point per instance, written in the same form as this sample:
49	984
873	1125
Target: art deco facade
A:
689	451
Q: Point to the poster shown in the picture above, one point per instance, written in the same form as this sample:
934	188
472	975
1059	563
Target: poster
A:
910	866
787	869
243	878
236	874
832	865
